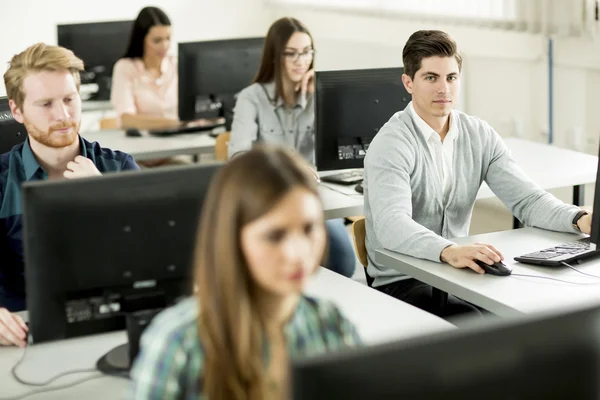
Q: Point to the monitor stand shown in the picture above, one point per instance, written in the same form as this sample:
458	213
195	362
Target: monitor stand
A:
118	361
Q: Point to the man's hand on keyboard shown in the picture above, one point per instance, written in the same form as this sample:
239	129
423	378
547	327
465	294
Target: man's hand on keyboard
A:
465	256
585	224
13	330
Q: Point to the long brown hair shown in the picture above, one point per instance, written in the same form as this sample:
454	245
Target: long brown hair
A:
271	63
230	328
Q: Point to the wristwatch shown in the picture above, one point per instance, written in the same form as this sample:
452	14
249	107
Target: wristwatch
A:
577	217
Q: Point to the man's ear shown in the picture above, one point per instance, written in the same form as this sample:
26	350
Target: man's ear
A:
16	111
407	83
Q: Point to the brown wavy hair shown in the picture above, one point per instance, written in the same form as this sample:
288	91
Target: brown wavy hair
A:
230	328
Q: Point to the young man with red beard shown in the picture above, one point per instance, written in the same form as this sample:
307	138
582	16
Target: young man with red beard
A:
42	84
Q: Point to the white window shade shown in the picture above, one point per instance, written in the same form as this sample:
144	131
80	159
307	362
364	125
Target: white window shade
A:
549	17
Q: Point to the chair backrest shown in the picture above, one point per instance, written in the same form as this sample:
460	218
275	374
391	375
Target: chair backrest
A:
359	234
108	123
221	146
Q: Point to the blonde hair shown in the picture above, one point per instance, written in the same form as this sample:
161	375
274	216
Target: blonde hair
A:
39	57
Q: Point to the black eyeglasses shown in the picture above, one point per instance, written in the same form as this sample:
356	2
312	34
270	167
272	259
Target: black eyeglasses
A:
295	55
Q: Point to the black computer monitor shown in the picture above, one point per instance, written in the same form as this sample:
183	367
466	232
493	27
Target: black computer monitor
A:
351	107
107	253
541	357
99	45
12	133
595	236
212	73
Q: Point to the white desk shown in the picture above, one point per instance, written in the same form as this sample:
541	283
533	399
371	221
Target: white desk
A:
550	167
511	295
152	147
95	105
336	204
378	318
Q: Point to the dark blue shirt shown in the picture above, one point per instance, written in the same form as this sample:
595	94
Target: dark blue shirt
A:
17	166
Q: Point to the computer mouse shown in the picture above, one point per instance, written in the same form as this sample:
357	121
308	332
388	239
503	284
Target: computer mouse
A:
498	269
132	132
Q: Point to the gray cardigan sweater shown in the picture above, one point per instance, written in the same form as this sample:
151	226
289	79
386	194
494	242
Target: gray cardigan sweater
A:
404	206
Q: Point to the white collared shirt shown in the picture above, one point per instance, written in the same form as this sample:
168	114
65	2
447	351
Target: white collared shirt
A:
442	153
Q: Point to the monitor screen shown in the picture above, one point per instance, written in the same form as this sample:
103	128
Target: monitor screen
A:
351	107
212	73
100	247
595	236
11	132
99	45
542	357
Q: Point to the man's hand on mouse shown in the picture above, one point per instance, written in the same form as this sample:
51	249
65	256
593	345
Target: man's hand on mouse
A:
465	256
81	167
13	330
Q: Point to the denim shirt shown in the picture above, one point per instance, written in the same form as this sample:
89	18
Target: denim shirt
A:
260	115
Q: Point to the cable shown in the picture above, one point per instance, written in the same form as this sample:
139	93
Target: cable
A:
341	192
14	374
577	270
54	388
558	280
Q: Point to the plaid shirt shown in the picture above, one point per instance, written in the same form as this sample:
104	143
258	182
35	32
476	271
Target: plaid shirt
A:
170	362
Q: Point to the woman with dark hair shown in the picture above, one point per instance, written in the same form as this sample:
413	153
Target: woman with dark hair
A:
261	236
144	84
279	108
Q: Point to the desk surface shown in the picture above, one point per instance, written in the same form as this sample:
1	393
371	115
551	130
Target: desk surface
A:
95	105
549	166
378	318
511	295
150	147
337	204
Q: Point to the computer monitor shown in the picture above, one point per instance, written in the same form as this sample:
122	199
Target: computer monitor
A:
541	357
99	45
595	236
351	107
11	132
212	73
107	253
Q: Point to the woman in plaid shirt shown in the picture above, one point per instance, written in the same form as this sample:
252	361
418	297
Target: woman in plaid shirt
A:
261	236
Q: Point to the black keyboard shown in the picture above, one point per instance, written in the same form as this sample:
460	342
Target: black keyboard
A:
183	130
562	253
344	178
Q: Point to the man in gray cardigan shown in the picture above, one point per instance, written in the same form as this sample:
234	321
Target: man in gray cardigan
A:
423	171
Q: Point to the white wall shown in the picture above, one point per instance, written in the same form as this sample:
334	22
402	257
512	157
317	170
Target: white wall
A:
29	21
505	75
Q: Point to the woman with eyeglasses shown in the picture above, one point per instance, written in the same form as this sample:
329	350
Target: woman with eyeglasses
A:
279	108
